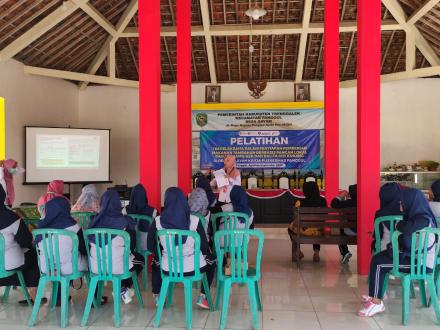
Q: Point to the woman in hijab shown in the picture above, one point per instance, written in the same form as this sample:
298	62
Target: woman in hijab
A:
88	201
139	206
58	217
111	217
203	182
390	197
312	198
54	189
8	168
417	215
198	204
239	203
345	199
18	239
177	215
434	198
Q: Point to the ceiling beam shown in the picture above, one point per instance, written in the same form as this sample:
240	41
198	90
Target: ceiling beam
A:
126	17
396	10
47	23
417	73
208	40
303	40
410	48
260	29
96	16
419	13
68	75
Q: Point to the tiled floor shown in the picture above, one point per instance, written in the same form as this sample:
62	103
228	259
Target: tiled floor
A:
318	296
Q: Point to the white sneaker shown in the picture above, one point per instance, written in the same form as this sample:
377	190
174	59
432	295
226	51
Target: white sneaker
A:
370	309
131	293
125	297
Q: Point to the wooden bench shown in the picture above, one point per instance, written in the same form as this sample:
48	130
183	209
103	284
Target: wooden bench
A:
322	217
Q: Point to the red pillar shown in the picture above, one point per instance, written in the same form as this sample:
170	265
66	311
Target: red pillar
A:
184	148
331	97
149	100
368	124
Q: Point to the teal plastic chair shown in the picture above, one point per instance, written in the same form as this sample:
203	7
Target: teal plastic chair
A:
6	273
51	254
392	220
235	244
83	218
419	249
103	242
145	253
437	268
230	221
202	220
174	252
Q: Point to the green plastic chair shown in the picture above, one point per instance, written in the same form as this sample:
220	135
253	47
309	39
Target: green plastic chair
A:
83	218
419	249
236	246
103	243
6	273
392	220
437	267
202	219
144	253
230	220
174	251
51	254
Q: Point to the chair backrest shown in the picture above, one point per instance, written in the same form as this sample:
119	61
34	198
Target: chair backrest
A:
231	220
283	182
138	218
438	221
422	242
49	250
236	243
252	182
392	220
202	219
83	218
2	254
103	243
172	241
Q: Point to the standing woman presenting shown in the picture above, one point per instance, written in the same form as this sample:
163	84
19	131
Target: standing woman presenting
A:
8	168
233	176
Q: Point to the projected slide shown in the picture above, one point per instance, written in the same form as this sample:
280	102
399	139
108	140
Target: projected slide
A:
67	151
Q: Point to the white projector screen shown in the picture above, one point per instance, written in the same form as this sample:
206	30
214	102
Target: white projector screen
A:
69	154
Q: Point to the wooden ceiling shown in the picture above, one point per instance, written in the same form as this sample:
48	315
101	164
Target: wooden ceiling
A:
288	41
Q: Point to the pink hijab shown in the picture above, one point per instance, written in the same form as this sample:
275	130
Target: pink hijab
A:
54	189
8	164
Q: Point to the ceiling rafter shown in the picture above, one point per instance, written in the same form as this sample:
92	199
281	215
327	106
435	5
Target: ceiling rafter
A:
125	19
397	11
47	23
303	40
96	16
208	40
418	14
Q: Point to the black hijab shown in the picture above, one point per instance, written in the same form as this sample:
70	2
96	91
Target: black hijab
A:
176	213
311	193
203	182
435	188
7	216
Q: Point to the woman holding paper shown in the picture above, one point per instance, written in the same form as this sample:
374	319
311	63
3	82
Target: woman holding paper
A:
226	178
8	168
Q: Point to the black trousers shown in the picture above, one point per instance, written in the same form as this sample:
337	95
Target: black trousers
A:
30	270
381	264
138	265
156	278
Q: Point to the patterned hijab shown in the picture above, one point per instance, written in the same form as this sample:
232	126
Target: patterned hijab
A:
88	201
198	201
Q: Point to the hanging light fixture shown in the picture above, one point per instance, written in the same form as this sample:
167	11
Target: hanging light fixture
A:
256	13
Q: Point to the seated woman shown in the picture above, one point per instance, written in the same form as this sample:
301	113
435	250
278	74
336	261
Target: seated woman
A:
111	217
312	199
19	252
176	215
198	203
203	182
139	205
345	199
239	203
54	189
390	197
434	198
88	201
416	216
58	217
